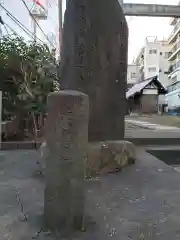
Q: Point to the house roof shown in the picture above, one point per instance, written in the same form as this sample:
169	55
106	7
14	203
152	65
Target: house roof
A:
138	87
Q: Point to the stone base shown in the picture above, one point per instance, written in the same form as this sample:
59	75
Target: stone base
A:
109	157
102	158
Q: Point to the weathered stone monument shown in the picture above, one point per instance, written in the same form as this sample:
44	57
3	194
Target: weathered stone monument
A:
66	141
94	61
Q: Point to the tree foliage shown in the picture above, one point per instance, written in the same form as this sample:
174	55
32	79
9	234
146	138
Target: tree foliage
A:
28	74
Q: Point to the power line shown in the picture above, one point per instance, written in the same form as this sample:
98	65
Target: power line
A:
37	23
10	28
10	15
23	27
14	19
6	26
29	33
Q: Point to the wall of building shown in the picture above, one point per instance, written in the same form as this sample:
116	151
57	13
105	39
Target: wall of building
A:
133	74
164	64
174	77
174	59
156	60
173	98
149	103
153	60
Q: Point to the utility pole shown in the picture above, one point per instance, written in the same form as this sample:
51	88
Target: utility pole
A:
34	29
34	24
38	12
60	26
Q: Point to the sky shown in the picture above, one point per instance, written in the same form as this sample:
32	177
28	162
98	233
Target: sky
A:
139	27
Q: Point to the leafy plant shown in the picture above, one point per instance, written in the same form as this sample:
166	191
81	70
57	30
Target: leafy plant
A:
28	74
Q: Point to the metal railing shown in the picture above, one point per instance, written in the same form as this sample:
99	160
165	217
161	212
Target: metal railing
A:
177	26
173	67
175	48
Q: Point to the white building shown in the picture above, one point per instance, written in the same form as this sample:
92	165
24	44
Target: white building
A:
153	60
174	57
133	75
173	96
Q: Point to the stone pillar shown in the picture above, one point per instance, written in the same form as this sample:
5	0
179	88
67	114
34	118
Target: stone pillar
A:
66	137
94	61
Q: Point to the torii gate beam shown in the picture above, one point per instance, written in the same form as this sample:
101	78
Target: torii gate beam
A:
151	10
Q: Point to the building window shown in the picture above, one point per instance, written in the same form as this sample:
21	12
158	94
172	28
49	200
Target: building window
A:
133	75
170	53
153	51
152	69
160	53
167	54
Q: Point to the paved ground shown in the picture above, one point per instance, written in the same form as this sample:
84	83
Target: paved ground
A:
141	202
131	126
148	130
157	119
151	126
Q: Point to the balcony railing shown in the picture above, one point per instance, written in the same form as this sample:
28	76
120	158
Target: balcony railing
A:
174	49
173	67
175	29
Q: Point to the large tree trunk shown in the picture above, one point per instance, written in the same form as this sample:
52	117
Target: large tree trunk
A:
94	61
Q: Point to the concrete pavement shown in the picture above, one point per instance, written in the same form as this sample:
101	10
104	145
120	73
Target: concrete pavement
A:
165	120
150	131
140	202
149	125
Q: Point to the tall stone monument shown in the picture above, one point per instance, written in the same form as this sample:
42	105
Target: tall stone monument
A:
66	142
94	61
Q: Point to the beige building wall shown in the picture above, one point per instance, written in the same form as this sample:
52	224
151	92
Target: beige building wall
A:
133	74
153	60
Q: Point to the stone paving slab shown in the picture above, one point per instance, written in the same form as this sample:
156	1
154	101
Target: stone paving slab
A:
146	133
150	126
166	120
140	202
